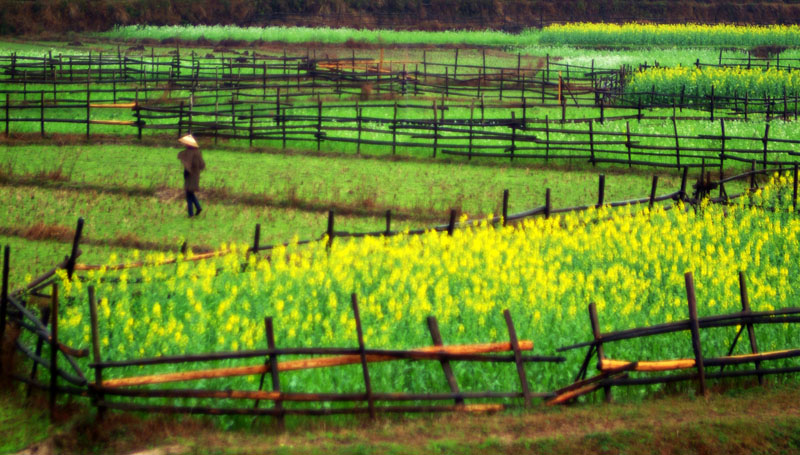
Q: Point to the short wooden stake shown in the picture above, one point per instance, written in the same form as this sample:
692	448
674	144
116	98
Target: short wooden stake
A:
512	335
751	333
361	349
433	327
695	328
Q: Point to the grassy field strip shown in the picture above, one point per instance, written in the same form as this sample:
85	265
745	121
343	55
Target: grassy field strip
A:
409	187
575	34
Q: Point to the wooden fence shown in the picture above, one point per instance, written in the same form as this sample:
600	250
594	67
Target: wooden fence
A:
615	372
14	310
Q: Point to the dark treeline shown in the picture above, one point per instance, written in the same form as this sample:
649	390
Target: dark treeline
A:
58	16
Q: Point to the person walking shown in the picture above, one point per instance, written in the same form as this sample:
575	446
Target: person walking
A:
193	164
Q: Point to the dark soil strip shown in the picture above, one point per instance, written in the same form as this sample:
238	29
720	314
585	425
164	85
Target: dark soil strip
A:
64	234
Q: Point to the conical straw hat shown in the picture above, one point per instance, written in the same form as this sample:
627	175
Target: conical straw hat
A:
189	141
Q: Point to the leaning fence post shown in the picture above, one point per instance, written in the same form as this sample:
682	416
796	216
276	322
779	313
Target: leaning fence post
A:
436	336
598	345
653	187
695	328
4	302
73	256
751	333
684	176
53	351
363	355
512	336
98	370
45	318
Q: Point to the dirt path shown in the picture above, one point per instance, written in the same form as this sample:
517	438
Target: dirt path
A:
738	421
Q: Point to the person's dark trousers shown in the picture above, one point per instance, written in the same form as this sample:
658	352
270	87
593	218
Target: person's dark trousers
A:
192	202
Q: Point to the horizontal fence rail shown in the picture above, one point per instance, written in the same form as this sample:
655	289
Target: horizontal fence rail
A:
616	372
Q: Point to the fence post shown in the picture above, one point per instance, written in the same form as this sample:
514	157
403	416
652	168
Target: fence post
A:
250	129
601	190
330	231
653	187
256	238
547	207
435	129
45	318
471	126
591	142
684	176
599	345
712	103
513	135
451	224
722	149
388	222
8	115
98	370
602	108
677	143
766	143
4	303
138	111
53	351
88	107
394	129
358	122
628	142
512	336
319	122
546	138
180	120
695	328
446	83
41	113
794	188
436	336
505	207
746	103
282	116
362	353
751	333
273	369
73	255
